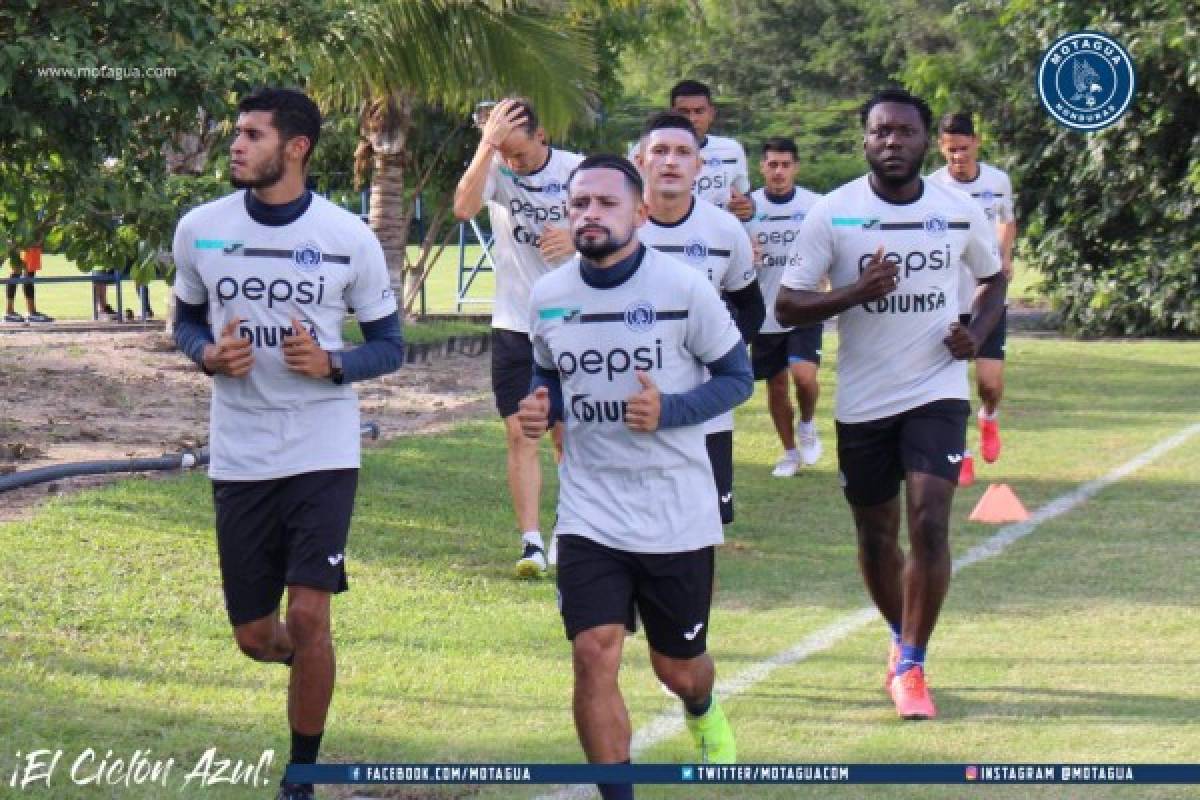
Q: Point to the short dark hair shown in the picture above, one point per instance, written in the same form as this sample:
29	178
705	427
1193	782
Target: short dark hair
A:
690	88
781	144
958	122
633	178
531	118
293	113
898	95
668	119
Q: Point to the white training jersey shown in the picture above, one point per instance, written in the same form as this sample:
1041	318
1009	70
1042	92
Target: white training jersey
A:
774	228
638	492
274	422
722	167
521	206
992	190
714	243
891	357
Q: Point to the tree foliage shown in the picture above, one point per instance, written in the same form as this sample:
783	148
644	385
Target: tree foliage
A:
98	98
1111	218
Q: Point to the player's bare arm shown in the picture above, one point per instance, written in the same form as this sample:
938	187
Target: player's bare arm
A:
505	118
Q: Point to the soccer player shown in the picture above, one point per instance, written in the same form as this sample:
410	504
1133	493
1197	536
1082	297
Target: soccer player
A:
992	189
709	240
264	279
893	247
523	181
622	338
780	208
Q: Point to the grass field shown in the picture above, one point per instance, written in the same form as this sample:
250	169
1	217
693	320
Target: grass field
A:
1079	643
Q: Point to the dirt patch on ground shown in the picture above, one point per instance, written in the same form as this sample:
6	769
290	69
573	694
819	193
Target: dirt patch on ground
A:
100	394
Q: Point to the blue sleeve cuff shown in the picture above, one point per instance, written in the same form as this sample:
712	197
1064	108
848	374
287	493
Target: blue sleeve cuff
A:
381	352
192	332
731	384
549	379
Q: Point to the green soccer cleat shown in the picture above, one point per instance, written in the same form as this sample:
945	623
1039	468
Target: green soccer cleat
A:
712	735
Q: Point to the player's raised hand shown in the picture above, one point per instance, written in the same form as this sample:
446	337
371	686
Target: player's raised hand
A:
642	411
960	342
302	354
879	279
556	245
231	354
740	205
533	412
504	118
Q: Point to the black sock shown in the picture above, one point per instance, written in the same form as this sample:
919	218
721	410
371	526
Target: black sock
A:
305	747
700	709
616	791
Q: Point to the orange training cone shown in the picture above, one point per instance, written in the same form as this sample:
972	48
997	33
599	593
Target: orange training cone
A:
999	504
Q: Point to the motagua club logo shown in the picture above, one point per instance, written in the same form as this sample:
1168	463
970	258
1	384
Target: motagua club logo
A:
1086	81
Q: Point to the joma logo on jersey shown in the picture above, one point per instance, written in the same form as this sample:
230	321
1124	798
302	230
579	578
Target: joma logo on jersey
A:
616	361
277	291
640	317
913	261
524	208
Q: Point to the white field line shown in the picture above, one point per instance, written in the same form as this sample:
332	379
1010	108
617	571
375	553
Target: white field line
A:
670	723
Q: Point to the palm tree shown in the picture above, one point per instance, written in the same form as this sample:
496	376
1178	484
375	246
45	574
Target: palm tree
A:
399	54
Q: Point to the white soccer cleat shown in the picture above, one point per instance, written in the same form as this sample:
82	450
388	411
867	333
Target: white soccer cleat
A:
532	563
810	446
786	467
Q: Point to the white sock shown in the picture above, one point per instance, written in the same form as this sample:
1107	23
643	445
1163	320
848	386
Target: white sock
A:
966	453
534	538
792	454
986	416
807	427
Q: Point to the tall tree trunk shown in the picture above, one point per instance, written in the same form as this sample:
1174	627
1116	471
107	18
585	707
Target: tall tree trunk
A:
388	215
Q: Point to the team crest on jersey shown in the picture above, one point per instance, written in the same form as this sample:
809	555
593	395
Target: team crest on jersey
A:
553	189
798	216
695	250
987	195
307	256
936	225
640	316
715	161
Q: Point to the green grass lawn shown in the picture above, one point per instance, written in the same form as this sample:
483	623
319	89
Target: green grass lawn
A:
1079	643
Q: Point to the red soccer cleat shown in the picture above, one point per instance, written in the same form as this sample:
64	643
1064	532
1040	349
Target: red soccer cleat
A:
989	439
966	471
911	695
893	661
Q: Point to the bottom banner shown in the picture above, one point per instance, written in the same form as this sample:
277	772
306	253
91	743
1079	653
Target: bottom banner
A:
744	773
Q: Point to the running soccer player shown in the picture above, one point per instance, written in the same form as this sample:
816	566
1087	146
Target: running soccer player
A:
777	351
724	177
264	280
523	181
622	338
992	189
709	240
893	247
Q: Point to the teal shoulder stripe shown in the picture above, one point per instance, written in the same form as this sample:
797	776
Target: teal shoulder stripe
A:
557	313
853	222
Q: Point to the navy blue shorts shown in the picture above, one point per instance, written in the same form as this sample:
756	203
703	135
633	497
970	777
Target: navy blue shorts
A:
771	353
993	346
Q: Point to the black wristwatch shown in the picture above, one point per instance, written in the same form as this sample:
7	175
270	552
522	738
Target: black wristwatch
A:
335	368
